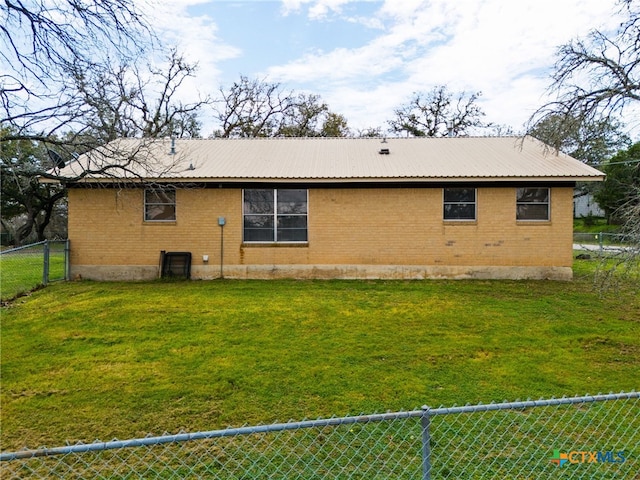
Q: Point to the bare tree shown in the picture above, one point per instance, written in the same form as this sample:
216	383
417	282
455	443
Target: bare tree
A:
257	108
50	52
41	41
369	132
438	113
60	96
598	79
252	108
624	262
131	102
593	143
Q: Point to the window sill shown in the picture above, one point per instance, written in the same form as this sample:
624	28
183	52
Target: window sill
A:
459	222
533	222
159	222
275	245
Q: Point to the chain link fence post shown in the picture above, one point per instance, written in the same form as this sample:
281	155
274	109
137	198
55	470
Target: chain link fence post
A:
67	261
45	263
601	242
425	421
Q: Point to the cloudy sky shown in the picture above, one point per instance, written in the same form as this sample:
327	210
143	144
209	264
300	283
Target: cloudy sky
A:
366	57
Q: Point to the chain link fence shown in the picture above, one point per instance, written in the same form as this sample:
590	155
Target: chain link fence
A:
567	438
24	268
618	258
604	243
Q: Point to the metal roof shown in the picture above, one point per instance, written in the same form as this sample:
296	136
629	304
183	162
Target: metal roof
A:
323	160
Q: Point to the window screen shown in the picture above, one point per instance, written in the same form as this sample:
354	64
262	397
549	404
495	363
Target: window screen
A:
159	205
532	203
275	215
459	204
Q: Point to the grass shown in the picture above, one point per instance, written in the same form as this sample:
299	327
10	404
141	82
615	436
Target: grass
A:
594	225
87	360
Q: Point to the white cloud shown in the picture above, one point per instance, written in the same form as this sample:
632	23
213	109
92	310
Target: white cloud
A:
317	9
503	49
292	6
193	35
340	64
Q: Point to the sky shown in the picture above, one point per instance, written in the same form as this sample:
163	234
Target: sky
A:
366	57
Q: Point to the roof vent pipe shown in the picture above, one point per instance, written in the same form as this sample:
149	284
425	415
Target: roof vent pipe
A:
173	146
384	151
450	129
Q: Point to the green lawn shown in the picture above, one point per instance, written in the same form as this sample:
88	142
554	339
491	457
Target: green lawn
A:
85	360
594	225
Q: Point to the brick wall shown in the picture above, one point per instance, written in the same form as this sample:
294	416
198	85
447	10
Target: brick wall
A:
384	227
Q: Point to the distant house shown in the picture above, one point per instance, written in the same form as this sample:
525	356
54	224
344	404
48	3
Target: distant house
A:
584	205
410	208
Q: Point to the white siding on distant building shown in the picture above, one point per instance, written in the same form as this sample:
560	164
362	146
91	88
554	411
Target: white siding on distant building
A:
585	205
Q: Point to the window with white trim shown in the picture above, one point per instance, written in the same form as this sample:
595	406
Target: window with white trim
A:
459	204
275	215
160	205
532	204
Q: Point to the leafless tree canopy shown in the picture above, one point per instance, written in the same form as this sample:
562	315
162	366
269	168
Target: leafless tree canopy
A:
252	108
72	77
257	108
625	263
129	102
72	80
596	79
438	113
42	41
591	142
598	76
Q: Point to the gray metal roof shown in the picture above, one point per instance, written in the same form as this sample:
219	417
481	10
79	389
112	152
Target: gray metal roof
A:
320	160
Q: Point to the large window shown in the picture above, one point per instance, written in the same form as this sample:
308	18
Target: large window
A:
275	215
459	204
159	205
532	203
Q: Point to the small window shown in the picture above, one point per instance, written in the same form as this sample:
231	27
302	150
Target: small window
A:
459	204
275	215
159	205
532	204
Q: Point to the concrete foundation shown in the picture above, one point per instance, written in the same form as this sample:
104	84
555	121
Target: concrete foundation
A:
349	272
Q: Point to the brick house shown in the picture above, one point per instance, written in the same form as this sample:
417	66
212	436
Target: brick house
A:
400	208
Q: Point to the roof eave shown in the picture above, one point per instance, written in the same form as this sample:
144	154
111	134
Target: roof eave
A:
320	181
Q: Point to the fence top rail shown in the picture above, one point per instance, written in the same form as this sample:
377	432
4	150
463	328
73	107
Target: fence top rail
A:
533	403
37	244
337	421
16	249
